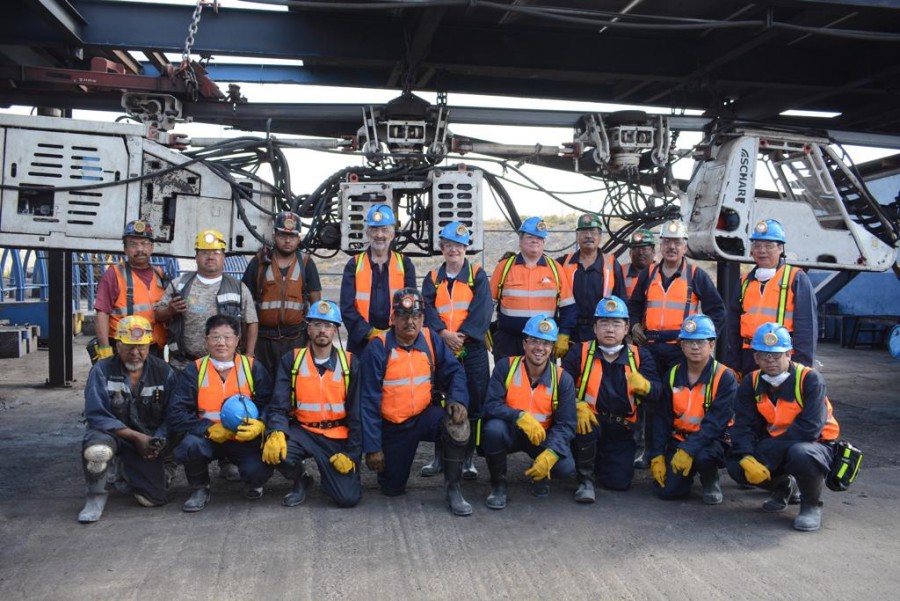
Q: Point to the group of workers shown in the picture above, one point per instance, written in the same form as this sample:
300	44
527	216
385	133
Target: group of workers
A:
257	380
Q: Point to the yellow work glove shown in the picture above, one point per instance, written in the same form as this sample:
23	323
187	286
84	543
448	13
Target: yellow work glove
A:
562	345
754	471
219	433
275	449
543	463
532	428
342	463
638	383
658	469
103	352
586	418
249	429
375	332
682	462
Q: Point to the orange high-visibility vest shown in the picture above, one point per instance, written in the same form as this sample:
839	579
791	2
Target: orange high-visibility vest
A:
774	303
212	391
592	376
406	390
281	301
453	307
609	271
540	401
781	414
691	404
318	401
631	281
364	280
666	309
523	291
136	299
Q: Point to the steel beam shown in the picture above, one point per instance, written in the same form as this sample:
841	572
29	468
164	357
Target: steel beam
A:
59	310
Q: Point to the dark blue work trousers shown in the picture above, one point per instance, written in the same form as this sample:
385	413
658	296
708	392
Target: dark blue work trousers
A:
678	486
344	489
500	436
247	456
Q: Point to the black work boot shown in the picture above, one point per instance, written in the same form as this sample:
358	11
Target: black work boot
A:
436	466
810	517
584	472
197	474
783	488
712	490
302	482
470	472
497	467
453	468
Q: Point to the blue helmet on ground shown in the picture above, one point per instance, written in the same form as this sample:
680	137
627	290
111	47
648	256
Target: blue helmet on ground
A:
770	229
456	232
236	409
697	327
534	226
541	326
611	306
379	215
324	310
771	338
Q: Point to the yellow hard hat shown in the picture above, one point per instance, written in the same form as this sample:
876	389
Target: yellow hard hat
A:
210	240
134	329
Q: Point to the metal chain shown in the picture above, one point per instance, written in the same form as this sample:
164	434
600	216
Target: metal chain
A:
192	31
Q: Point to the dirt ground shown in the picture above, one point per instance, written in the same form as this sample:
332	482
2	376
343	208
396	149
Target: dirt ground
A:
626	546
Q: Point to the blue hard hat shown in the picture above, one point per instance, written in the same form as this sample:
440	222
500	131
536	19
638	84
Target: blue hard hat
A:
236	409
380	215
541	326
611	306
324	310
456	232
534	226
697	327
771	338
770	229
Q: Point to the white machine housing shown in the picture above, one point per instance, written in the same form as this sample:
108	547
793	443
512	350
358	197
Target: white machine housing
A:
722	204
51	153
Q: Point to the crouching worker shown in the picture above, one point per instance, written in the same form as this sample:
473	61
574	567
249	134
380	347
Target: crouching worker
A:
314	413
530	407
124	406
215	429
696	405
398	372
784	431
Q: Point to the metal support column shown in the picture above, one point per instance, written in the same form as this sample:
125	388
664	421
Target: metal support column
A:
728	276
59	275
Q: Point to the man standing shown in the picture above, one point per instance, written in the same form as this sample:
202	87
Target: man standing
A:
197	411
314	413
400	370
284	282
772	291
132	287
642	252
784	429
125	401
593	274
528	284
196	296
370	280
458	307
530	407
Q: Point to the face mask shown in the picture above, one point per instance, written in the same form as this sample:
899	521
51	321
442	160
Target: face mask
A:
776	381
220	365
612	350
764	274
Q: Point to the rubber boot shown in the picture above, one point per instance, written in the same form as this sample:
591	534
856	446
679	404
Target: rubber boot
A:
95	499
497	467
453	468
783	488
584	472
712	490
302	482
197	474
470	472
436	466
641	462
810	517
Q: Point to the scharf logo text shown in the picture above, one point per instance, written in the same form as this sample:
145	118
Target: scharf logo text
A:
743	176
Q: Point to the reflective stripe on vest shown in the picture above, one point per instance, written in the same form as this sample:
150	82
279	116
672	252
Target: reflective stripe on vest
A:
517	302
591	379
686	406
396	273
228	302
774	302
135	298
453	306
782	413
281	301
537	401
330	389
406	387
212	392
631	281
666	309
609	272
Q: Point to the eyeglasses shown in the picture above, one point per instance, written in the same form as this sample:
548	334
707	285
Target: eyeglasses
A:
221	338
762	245
209	253
320	325
764	356
694	343
605	324
538	342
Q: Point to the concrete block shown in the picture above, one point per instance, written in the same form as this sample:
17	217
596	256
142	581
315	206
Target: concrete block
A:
13	342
